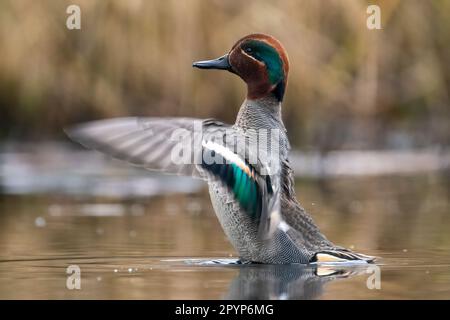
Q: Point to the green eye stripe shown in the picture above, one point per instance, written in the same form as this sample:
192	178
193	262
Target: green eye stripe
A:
269	55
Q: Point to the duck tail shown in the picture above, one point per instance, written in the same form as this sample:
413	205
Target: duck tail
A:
341	255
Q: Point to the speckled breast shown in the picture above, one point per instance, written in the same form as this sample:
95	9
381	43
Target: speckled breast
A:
241	230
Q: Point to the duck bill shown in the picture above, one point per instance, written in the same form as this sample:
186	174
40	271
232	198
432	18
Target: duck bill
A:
221	63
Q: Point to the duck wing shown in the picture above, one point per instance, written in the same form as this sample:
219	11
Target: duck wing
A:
206	149
150	143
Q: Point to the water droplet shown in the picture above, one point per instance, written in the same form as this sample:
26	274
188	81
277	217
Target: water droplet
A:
130	269
284	296
115	270
40	222
405	250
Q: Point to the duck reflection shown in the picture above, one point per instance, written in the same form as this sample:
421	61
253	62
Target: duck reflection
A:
258	281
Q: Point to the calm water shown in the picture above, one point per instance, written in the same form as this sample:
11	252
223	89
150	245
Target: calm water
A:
137	235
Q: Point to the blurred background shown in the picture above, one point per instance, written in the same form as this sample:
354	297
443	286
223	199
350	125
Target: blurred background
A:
349	87
367	112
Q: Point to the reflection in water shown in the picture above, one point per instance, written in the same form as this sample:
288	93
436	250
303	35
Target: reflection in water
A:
287	281
105	218
281	282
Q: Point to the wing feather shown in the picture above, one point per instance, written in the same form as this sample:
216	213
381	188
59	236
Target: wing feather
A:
152	143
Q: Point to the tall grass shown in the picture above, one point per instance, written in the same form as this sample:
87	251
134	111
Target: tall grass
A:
349	87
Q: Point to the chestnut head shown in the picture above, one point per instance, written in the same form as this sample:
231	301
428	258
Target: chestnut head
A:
258	59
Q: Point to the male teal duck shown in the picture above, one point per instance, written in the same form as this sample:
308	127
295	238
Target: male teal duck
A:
251	183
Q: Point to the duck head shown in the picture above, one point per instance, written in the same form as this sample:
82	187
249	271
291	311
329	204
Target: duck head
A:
258	59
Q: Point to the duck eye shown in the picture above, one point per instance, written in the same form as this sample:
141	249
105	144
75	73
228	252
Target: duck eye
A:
248	50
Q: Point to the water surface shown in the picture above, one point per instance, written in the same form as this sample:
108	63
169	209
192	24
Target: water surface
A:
157	239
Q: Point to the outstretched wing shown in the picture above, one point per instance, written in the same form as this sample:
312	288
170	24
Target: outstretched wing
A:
150	143
193	147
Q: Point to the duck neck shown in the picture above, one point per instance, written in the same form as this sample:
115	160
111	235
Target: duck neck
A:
261	116
260	113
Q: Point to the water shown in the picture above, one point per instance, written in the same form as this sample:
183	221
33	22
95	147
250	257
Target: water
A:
163	246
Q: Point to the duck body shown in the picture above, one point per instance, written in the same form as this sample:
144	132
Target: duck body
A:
251	183
296	239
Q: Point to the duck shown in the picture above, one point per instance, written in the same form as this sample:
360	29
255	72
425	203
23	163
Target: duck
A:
245	165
